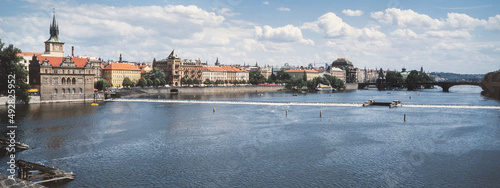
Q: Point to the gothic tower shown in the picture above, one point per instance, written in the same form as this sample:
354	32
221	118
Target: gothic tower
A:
54	46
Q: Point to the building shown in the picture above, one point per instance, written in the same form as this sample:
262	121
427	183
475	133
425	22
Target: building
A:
310	74
114	73
25	61
339	73
214	73
171	66
60	78
192	70
348	67
144	67
266	71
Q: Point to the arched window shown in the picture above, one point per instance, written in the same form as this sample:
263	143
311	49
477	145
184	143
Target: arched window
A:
69	90
63	81
80	90
55	91
63	91
73	91
68	80
73	81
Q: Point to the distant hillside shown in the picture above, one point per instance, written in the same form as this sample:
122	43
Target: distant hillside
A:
459	77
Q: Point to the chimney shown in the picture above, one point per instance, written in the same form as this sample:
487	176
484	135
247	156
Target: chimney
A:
72	51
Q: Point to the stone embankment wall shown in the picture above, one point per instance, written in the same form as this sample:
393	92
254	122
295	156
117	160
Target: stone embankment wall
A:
134	92
351	86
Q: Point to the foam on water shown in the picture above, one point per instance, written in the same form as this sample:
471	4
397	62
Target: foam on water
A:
298	103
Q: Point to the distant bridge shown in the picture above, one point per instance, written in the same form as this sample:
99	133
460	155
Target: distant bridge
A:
445	85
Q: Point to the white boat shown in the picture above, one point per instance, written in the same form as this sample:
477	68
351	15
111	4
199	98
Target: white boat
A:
322	87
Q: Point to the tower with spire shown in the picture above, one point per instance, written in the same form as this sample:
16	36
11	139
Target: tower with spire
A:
54	46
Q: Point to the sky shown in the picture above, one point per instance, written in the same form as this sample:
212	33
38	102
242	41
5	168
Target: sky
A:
439	35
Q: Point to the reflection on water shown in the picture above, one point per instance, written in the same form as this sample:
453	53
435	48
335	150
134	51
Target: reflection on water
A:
159	144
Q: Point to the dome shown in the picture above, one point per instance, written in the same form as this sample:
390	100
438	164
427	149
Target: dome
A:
341	62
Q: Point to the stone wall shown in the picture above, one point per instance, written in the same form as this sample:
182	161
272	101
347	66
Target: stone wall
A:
133	92
351	86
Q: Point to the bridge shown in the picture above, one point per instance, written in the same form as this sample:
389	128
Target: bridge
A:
445	85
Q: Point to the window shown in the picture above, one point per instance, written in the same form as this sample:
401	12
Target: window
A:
55	91
73	91
55	81
63	81
73	81
80	80
80	90
45	71
63	91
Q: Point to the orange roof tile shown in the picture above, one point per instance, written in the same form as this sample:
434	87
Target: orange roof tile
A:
28	54
121	66
56	61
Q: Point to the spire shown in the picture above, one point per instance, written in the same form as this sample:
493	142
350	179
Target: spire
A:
54	29
217	62
173	55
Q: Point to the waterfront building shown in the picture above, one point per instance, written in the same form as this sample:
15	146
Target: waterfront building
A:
144	67
214	73
57	77
191	70
27	57
266	71
339	73
114	73
223	73
310	74
171	66
348	67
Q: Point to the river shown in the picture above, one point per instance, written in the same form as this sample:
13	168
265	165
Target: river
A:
274	140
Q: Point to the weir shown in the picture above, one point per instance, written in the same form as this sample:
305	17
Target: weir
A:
294	103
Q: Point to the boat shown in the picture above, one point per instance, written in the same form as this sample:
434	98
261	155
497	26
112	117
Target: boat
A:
322	87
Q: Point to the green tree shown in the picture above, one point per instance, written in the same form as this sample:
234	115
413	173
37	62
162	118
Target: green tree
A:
183	81
207	82
273	77
256	78
100	84
381	74
142	82
163	82
127	82
12	73
296	83
412	80
335	82
189	81
196	81
394	77
304	77
150	82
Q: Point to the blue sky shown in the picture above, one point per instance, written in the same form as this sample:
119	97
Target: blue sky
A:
448	36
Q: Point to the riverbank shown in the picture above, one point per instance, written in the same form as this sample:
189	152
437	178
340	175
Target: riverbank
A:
6	182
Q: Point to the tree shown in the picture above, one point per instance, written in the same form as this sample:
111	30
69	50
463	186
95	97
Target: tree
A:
149	81
127	82
335	82
304	77
12	73
394	77
490	85
256	78
296	83
207	81
273	77
196	81
142	82
183	81
412	80
381	74
100	84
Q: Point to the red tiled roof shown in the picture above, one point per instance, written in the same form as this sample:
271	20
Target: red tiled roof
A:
121	66
56	61
28	54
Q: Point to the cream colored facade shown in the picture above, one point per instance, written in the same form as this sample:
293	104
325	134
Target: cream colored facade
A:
339	73
114	74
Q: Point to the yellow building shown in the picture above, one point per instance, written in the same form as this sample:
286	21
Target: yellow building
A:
114	73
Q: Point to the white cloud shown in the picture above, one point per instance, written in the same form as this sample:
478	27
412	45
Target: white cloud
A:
288	33
457	20
265	2
226	12
350	12
493	23
284	9
404	33
448	46
407	18
448	34
333	26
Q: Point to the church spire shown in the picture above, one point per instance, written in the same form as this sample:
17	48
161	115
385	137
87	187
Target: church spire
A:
54	29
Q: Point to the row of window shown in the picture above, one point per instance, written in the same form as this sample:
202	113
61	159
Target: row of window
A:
68	91
64	81
66	71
